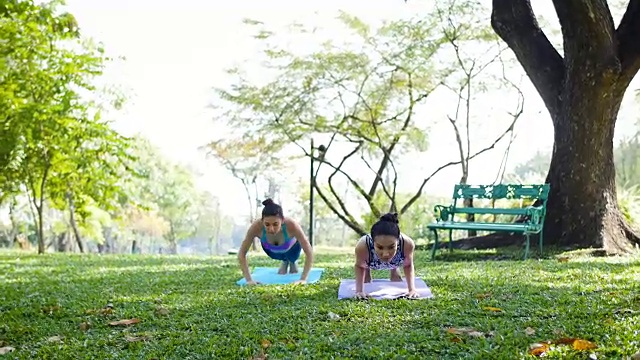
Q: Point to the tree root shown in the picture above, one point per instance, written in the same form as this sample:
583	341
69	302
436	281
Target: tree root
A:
623	239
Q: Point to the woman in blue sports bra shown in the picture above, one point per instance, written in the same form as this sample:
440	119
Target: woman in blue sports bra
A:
281	238
386	248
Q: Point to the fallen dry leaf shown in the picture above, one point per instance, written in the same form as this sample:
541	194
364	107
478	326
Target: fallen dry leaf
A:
459	331
56	338
85	326
160	310
265	343
581	345
564	341
261	356
530	331
6	349
635	356
125	322
130	338
483	296
465	331
538	349
107	310
456	339
625	311
491	308
563	259
50	309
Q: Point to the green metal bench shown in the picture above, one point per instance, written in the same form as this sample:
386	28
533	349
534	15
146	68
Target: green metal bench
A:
531	218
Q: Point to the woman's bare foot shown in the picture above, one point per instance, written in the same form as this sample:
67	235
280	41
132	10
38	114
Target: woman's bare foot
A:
293	268
394	275
367	276
283	268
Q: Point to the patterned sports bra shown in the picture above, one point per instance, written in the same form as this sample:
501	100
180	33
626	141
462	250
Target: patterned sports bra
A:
376	264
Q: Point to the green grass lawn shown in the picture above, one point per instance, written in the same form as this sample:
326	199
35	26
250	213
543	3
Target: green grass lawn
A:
51	307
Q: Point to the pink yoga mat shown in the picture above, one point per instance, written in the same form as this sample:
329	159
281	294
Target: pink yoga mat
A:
381	289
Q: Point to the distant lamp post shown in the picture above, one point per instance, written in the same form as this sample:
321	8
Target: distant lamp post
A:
321	150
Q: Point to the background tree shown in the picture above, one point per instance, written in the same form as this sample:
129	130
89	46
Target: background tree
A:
251	161
45	118
362	100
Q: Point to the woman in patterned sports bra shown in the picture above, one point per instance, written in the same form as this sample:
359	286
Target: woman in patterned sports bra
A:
281	238
385	249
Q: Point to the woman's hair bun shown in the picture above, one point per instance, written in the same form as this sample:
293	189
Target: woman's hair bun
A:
390	217
268	202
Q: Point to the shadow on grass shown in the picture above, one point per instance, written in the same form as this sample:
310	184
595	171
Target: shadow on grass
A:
509	253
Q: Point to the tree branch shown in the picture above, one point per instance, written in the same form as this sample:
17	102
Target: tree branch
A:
417	195
335	194
516	115
384	187
354	226
394	206
515	23
627	34
588	33
413	100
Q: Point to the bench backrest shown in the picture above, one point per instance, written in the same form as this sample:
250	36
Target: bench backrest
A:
495	192
502	191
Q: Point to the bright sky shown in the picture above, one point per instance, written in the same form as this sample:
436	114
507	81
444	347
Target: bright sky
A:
177	51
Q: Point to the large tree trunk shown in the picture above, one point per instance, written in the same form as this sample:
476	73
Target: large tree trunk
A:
583	209
582	92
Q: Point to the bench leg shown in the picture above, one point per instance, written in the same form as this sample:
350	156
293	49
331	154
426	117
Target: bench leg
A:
526	248
435	245
450	240
540	243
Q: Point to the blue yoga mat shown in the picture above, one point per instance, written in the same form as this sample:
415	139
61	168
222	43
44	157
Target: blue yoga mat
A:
267	275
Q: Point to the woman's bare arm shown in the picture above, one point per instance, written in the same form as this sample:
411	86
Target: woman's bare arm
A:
252	233
296	230
361	263
409	270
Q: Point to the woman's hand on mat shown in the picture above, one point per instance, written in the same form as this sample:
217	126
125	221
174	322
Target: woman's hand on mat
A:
252	282
298	282
412	294
361	295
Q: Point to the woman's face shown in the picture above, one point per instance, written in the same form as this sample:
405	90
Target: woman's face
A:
272	224
385	246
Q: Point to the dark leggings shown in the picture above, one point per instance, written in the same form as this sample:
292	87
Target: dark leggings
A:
291	255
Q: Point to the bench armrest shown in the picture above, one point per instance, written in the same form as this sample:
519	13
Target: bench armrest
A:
442	213
535	214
